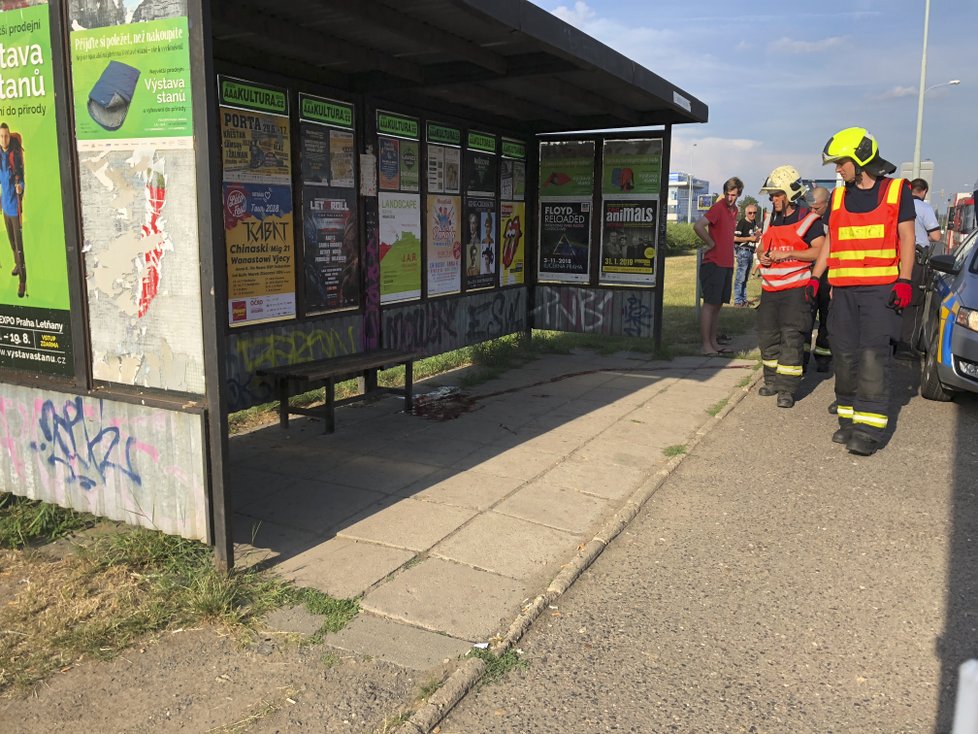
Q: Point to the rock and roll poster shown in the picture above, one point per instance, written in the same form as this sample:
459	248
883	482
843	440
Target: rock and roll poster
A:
565	241
628	228
512	251
444	245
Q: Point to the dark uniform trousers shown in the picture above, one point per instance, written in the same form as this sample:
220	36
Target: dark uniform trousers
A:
862	331
820	310
784	324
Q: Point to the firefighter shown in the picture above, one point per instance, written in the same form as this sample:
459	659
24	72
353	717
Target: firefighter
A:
791	242
869	257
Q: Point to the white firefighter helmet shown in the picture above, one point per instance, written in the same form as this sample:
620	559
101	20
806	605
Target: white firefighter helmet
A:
786	179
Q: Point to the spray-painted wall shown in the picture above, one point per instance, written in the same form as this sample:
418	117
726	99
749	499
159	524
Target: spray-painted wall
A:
141	465
284	344
594	310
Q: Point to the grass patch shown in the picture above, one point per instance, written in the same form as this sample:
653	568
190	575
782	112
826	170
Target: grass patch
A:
121	586
26	522
714	410
675	450
745	382
497	665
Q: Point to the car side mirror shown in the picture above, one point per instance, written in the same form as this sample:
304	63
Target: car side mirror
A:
943	264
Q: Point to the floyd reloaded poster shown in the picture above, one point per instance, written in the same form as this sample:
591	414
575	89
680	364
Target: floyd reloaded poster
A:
35	332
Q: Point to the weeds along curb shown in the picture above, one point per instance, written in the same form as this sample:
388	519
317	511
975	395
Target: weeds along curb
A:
467	676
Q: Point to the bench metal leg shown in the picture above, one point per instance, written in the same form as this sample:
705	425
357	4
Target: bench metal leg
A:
283	402
408	387
330	405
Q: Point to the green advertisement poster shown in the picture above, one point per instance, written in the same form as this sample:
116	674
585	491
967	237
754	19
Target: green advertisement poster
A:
631	167
400	247
132	82
35	331
567	169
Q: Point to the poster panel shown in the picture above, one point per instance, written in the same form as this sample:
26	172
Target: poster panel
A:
389	163
256	150
255	147
35	324
400	247
331	247
131	82
444	245
480	244
342	154
512	179
565	241
137	188
628	238
567	168
480	174
260	252
443	151
410	167
631	167
512	263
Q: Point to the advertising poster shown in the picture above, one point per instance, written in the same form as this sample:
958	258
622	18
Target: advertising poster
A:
628	228
512	180
479	244
330	232
631	167
512	252
565	241
341	157
444	149
331	247
480	173
132	82
255	147
410	166
567	169
35	330
400	247
444	246
258	217
260	252
389	163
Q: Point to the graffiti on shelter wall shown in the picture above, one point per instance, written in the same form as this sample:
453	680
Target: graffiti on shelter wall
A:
594	310
283	345
140	465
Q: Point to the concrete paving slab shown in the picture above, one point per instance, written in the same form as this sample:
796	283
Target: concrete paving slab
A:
249	484
508	546
379	474
464	602
473	489
317	507
343	567
422	448
398	643
618	452
588	471
517	462
258	541
408	523
556	507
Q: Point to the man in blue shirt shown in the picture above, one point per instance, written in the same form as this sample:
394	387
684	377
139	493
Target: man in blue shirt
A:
11	195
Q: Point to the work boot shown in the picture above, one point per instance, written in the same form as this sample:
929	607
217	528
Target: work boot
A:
834	407
767	391
862	444
842	435
785	400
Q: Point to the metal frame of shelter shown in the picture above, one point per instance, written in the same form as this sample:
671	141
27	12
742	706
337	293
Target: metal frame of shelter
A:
238	216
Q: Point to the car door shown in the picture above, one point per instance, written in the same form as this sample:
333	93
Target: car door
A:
941	285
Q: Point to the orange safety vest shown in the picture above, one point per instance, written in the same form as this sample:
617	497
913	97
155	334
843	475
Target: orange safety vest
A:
865	247
787	237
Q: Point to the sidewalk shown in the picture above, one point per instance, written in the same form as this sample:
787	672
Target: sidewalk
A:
446	528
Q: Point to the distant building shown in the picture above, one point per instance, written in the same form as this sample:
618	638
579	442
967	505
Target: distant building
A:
679	197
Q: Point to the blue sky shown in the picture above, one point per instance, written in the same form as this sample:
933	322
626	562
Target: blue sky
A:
780	78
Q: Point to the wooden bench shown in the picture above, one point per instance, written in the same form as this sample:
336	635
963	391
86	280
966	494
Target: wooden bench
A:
336	369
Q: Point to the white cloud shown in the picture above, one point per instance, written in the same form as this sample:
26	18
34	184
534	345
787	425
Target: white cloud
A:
578	16
895	93
792	46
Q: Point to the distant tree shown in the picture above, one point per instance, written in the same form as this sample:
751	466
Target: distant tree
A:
748	200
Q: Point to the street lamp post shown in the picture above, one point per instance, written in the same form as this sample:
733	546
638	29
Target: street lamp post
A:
689	180
921	91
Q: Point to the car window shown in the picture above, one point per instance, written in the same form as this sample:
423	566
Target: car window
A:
965	250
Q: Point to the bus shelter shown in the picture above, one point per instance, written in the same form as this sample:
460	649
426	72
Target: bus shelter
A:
203	190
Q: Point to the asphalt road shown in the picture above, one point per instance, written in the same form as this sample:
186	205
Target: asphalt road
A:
774	583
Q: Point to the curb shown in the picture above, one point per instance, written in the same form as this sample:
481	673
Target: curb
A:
467	676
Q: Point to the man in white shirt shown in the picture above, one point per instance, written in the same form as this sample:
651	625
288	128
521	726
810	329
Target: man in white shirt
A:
927	230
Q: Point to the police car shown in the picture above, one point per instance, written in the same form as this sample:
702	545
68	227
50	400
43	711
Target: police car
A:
950	329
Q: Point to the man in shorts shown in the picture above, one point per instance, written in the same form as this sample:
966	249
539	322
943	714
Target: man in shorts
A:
716	229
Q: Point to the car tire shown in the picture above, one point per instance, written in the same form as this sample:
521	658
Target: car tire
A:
931	387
